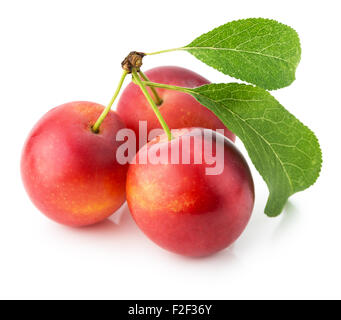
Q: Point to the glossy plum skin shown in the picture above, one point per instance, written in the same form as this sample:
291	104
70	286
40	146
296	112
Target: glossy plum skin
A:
184	210
180	110
71	173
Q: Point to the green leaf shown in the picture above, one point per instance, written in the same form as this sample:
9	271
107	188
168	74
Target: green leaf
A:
285	152
260	51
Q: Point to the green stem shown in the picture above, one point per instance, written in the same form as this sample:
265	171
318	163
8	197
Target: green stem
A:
164	51
158	100
167	86
162	121
105	112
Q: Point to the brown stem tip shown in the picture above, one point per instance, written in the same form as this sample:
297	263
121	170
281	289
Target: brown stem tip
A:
133	60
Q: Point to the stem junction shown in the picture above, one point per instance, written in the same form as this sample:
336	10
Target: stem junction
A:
132	60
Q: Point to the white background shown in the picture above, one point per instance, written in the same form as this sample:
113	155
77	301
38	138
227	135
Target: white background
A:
53	52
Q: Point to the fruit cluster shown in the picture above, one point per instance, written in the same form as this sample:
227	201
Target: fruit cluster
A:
189	189
72	175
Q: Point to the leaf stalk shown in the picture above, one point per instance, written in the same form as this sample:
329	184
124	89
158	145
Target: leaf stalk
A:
156	110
